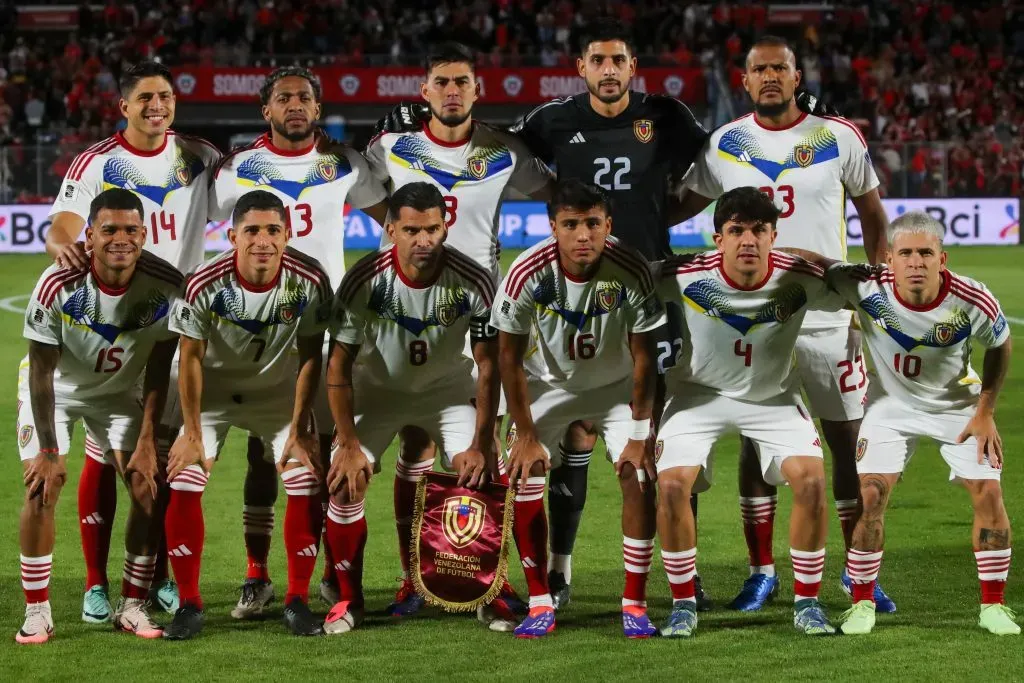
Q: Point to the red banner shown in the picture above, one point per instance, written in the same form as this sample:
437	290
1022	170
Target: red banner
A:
341	85
460	541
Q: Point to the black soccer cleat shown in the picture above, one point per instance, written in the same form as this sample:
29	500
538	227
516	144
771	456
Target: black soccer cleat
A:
300	620
187	623
704	601
561	592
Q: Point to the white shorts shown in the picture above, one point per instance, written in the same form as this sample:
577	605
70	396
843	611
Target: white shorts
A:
266	415
553	409
446	415
890	431
830	365
695	417
112	421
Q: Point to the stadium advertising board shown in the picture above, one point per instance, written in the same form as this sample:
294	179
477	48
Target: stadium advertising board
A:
967	221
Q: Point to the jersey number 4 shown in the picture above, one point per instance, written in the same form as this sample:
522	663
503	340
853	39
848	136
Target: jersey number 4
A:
785	196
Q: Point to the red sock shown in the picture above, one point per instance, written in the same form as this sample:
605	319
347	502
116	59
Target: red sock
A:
138	575
346	534
186	531
97	502
407	477
808	566
258	525
302	526
637	555
681	567
35	578
530	529
993	570
328	558
758	524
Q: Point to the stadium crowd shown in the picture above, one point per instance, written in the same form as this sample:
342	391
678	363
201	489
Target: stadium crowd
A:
933	84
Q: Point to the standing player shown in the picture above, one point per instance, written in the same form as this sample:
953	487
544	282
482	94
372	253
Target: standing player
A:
744	306
92	334
411	306
807	164
244	313
592	303
919	321
314	185
170	173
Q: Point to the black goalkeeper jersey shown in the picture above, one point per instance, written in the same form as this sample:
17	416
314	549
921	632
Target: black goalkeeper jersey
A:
636	156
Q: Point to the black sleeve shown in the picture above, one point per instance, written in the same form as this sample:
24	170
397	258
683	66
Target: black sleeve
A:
533	131
689	136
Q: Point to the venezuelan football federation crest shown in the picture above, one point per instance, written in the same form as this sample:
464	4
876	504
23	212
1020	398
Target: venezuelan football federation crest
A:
288	314
644	130
944	333
608	296
463	520
183	174
659	448
478	168
862	447
803	155
25	435
327	169
510	437
446	314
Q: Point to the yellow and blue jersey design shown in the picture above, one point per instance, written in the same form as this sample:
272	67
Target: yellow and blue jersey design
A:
229	304
82	309
451	304
708	297
262	170
121	171
548	301
740	145
953	329
414	153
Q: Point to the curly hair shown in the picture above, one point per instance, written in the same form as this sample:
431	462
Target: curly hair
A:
284	72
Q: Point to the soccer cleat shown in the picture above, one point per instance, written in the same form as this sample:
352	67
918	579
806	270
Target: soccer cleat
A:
132	615
256	595
883	603
682	622
704	601
539	622
504	612
407	601
758	590
187	623
560	591
300	620
166	596
636	624
998	619
38	626
809	617
342	618
859	619
96	605
329	592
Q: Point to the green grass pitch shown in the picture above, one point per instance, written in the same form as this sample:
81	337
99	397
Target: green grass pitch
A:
928	569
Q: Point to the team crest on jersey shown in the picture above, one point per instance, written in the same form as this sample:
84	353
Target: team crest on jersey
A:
608	295
862	447
183	175
644	130
327	169
446	314
943	333
803	155
463	520
478	168
25	435
659	448
510	437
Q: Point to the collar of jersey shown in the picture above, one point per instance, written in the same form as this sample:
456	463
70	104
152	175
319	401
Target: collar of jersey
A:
287	152
752	288
799	120
409	283
444	143
121	140
947	282
103	287
250	287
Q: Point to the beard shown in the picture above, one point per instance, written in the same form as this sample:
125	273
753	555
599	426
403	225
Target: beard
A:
292	135
451	120
772	110
595	90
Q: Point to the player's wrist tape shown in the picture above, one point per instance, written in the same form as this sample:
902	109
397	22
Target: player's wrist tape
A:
641	430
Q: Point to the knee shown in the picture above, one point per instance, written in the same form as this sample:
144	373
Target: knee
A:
808	484
874	493
675	488
580	437
143	496
987	496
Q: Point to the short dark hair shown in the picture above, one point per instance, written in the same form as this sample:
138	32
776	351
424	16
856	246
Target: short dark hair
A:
770	41
603	30
116	199
257	200
449	52
577	194
416	196
743	205
131	76
284	72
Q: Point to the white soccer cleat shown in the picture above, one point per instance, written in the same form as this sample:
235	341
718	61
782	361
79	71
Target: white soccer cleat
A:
38	626
342	618
256	595
132	616
329	592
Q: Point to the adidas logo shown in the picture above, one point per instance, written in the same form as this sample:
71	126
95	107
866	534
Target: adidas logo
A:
577	139
181	551
529	563
93	518
343	566
308	551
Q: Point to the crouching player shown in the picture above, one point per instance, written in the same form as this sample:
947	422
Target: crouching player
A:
91	335
592	303
744	305
411	305
243	314
919	321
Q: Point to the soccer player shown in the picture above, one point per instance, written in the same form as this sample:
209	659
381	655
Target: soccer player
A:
92	334
591	302
920	321
170	174
411	306
808	164
744	306
243	315
314	183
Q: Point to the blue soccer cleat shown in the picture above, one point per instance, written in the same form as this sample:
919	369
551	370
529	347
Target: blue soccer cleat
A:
810	618
538	623
883	603
635	623
683	620
758	590
407	601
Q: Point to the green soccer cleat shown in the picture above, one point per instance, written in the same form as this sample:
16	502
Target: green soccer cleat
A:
682	622
859	619
166	596
999	619
96	606
809	617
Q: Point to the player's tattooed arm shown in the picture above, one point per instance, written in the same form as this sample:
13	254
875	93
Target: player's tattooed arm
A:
874	224
62	242
43	359
982	425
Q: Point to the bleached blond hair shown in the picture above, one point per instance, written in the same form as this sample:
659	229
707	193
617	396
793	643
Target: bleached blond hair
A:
916	222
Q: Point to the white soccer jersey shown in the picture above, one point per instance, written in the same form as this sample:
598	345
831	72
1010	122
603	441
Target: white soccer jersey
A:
172	182
807	168
412	335
739	341
251	330
923	354
473	175
582	327
105	335
314	188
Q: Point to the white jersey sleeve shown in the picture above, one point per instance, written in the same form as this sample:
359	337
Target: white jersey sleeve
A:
703	177
43	320
377	159
367	189
858	173
83	181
